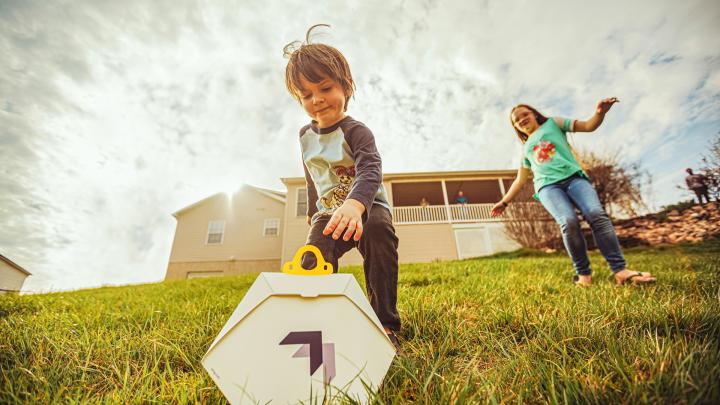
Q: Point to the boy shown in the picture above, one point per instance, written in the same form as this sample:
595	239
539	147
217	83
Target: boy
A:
347	203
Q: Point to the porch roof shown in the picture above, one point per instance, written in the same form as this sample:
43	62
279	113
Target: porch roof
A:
447	175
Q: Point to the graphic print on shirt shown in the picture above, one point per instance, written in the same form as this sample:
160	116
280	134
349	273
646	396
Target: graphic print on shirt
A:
543	152
336	197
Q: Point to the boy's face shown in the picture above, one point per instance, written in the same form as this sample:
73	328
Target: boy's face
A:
324	101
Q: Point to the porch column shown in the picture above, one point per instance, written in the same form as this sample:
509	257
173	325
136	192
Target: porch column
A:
447	204
502	187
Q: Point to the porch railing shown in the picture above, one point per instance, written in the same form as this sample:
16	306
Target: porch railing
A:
431	214
435	214
471	212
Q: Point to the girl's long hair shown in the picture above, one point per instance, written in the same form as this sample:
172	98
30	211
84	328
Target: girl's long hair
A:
538	117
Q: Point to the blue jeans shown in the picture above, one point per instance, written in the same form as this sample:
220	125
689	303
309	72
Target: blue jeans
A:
560	199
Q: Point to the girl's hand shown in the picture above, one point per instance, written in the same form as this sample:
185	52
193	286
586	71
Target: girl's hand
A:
605	104
498	209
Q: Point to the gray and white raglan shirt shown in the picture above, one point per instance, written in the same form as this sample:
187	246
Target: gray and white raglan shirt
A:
341	162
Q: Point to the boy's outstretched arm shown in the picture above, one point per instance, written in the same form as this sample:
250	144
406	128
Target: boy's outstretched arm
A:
594	122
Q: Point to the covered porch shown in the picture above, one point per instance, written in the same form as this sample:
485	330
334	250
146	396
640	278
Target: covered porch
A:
447	201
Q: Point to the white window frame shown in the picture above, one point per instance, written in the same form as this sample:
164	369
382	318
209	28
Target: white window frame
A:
210	227
297	202
268	225
203	274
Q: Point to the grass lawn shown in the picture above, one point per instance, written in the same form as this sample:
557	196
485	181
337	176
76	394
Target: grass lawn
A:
510	328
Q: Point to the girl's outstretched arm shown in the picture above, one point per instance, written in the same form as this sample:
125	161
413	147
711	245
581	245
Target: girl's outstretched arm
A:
517	185
594	122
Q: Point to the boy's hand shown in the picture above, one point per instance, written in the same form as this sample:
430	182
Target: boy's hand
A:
605	104
347	218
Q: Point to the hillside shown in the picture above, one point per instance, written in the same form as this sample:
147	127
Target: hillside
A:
693	224
510	328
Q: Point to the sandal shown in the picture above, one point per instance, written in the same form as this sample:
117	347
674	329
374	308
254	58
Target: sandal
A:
631	279
576	281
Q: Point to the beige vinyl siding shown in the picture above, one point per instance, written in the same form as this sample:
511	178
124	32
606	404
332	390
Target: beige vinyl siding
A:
294	227
186	270
426	242
352	257
244	215
11	278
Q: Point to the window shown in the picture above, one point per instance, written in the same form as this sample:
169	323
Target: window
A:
203	274
302	203
216	230
271	227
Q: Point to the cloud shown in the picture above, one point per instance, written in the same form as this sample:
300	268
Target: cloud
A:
115	115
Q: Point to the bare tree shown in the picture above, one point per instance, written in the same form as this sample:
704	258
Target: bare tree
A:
711	168
618	186
529	224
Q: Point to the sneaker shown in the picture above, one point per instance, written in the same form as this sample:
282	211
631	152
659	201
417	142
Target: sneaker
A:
393	338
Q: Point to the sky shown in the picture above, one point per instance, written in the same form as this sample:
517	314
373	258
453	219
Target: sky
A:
114	115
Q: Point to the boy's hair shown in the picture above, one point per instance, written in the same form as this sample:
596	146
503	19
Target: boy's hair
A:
315	62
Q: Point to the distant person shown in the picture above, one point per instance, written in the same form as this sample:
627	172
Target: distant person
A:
460	198
698	184
347	203
562	185
424	202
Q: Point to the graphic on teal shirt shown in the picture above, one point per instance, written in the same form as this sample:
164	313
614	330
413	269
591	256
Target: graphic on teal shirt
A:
543	152
548	154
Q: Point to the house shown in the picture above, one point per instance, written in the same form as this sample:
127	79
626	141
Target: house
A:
228	234
12	276
258	230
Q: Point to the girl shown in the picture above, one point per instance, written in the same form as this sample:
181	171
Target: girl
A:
561	185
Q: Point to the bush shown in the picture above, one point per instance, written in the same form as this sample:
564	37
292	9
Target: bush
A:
531	226
619	186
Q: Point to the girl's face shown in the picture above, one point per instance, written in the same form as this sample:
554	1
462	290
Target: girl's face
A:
524	120
324	102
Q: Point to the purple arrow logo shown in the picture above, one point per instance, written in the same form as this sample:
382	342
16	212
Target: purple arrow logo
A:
319	353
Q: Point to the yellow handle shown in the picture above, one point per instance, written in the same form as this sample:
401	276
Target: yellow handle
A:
294	267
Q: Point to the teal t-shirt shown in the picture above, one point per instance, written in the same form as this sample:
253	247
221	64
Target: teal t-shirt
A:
547	153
